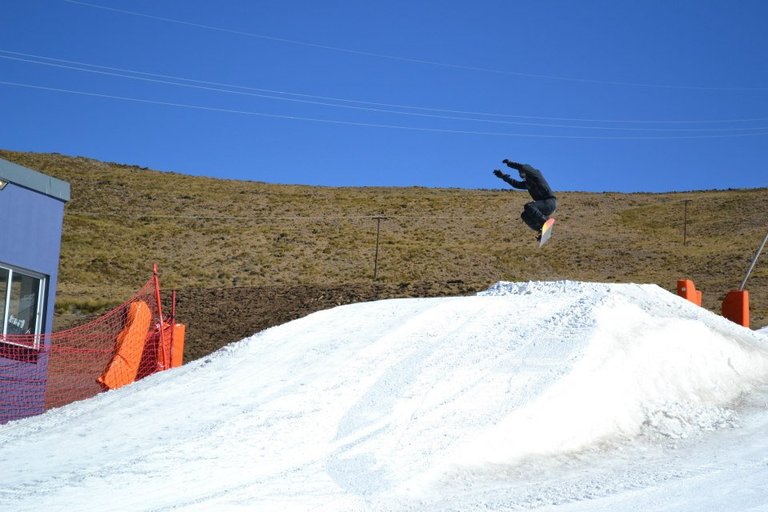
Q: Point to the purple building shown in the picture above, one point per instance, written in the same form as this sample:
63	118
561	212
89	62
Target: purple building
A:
31	218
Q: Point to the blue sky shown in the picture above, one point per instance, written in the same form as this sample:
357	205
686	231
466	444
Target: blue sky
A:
625	96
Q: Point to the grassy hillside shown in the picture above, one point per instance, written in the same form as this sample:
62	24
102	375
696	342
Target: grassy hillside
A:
216	238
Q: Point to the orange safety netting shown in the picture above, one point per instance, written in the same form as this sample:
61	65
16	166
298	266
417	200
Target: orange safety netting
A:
40	372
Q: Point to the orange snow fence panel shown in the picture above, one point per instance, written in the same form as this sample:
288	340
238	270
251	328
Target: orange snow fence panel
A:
124	366
687	290
736	307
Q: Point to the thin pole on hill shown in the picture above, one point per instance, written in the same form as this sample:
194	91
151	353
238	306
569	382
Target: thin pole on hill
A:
685	222
378	218
156	280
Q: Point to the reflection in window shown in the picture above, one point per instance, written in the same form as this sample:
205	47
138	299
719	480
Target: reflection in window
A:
21	307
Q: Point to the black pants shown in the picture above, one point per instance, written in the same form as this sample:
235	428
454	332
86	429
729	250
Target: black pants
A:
536	213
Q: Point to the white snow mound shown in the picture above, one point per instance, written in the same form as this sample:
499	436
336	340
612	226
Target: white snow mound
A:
377	402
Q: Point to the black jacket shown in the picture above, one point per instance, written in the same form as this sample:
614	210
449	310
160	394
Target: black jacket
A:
534	182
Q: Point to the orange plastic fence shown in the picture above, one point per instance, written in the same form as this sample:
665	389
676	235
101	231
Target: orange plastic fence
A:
687	290
38	373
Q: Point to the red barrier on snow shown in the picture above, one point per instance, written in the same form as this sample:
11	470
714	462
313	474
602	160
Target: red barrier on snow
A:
177	345
736	307
687	290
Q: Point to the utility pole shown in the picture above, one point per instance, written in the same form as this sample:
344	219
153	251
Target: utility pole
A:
378	218
685	222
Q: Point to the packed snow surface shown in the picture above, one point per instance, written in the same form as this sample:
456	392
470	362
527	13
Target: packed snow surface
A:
563	396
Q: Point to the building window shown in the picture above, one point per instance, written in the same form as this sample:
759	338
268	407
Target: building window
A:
22	301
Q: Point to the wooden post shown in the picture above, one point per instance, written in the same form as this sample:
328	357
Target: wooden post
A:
378	218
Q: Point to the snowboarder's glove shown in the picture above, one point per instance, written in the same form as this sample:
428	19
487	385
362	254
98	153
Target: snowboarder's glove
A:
498	173
509	163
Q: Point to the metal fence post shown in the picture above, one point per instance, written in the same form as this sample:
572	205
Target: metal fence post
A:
754	261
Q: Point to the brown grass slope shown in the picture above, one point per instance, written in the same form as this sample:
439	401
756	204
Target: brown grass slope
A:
247	255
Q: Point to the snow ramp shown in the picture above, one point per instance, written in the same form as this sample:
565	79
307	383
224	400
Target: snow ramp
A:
388	404
635	361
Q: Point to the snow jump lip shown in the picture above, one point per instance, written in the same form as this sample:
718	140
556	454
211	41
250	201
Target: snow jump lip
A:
649	364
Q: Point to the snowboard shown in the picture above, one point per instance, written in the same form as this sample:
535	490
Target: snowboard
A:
546	231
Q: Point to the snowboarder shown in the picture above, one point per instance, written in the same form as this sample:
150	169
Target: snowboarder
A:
535	213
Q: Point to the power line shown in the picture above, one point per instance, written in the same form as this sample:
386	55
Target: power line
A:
377	125
410	59
280	95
